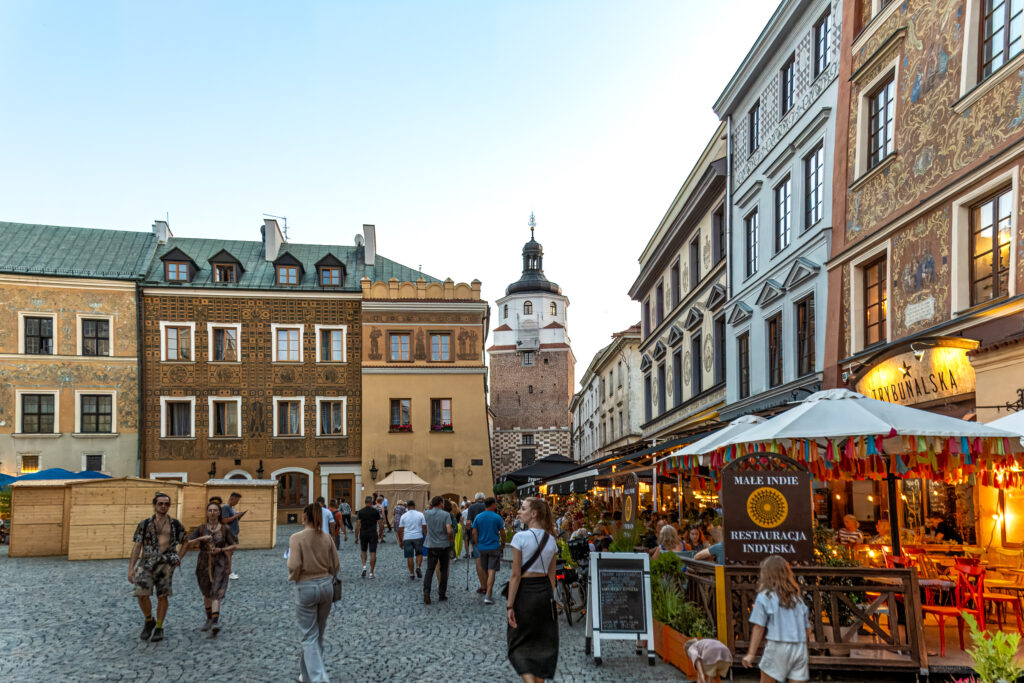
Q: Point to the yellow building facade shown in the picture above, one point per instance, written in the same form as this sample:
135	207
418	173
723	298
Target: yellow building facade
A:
424	385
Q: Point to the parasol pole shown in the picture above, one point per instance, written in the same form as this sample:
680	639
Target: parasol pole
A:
894	520
679	487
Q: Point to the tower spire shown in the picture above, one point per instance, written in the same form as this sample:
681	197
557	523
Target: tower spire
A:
532	223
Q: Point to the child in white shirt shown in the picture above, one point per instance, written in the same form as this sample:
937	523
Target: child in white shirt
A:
781	618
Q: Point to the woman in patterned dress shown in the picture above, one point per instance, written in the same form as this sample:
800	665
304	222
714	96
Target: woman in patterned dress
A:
215	543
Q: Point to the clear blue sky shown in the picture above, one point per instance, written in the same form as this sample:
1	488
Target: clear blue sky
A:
443	123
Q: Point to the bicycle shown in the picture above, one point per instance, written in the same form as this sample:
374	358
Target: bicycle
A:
572	594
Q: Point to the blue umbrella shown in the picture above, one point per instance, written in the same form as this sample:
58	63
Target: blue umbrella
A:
6	479
52	473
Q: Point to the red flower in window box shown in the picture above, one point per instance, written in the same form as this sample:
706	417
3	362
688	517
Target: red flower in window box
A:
401	428
444	427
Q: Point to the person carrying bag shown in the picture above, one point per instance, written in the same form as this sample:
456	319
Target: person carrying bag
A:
532	615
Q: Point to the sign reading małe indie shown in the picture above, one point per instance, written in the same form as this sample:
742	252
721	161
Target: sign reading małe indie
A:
630	500
769	513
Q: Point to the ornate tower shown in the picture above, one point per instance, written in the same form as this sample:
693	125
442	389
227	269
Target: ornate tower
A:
531	368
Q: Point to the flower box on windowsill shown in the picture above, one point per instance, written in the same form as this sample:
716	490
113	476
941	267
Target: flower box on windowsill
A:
400	428
441	428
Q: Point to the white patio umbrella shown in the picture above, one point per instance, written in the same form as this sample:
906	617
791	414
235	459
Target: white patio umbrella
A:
1014	422
715	440
839	413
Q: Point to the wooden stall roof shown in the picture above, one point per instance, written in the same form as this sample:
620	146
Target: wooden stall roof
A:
241	483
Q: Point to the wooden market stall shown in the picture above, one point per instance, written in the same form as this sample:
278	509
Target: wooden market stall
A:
39	518
258	528
104	513
95	519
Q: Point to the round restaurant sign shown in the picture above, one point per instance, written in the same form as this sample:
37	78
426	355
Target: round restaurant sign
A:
767	507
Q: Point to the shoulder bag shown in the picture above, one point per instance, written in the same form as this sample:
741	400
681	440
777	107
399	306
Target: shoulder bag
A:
336	584
529	563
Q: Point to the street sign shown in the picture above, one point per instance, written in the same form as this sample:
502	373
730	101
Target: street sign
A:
767	513
620	601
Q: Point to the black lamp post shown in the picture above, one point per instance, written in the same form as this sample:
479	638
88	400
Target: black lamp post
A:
373	470
213	469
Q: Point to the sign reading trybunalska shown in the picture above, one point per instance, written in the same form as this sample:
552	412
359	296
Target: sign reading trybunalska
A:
767	513
942	372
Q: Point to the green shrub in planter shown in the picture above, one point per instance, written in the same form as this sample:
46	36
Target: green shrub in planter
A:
993	654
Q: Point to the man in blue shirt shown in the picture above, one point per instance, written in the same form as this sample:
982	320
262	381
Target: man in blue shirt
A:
230	516
489	538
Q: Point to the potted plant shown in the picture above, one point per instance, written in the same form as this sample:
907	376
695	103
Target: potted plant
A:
993	654
678	620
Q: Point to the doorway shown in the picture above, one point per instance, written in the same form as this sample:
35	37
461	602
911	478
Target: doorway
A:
340	488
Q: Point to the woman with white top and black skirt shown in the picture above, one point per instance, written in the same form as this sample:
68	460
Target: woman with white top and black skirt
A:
532	616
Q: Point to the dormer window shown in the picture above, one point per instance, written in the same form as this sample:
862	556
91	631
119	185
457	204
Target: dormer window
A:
224	272
330	277
176	271
288	270
287	275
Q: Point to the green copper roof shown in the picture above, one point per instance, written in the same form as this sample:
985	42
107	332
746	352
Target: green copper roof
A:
29	249
260	274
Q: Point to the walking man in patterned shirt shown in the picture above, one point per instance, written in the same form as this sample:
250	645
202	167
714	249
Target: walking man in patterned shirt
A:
151	567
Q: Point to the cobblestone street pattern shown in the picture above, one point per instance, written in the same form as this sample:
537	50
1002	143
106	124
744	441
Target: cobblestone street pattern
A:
77	621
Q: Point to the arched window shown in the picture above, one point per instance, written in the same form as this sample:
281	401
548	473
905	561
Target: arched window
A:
554	308
505	312
527	307
292	489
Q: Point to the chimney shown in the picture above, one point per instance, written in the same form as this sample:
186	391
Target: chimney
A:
370	248
272	238
162	230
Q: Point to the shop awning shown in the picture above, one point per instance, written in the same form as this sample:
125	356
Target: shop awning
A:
577	482
550	466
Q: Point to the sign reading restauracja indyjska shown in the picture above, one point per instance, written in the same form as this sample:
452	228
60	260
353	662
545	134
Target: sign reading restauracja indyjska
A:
940	372
768	513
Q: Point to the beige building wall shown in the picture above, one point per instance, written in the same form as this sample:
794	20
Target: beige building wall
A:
455	462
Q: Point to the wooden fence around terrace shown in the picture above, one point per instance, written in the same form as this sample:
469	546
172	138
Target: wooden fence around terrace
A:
862	618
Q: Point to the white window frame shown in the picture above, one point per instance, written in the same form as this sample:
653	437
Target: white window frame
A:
36	314
960	267
301	470
164	324
274	327
864	117
237	471
302	421
857	294
237	400
80	329
209	342
328	328
103	461
183	476
344	416
971	88
113	410
39	460
18	393
163	415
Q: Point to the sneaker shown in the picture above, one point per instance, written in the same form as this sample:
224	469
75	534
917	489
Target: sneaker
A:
207	625
158	635
442	597
215	629
233	576
364	571
487	600
426	598
372	576
412	577
419	574
147	630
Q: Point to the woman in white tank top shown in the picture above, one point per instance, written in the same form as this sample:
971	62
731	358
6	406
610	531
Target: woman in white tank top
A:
532	619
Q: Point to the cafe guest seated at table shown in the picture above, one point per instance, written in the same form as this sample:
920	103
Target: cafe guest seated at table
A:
850	534
938	529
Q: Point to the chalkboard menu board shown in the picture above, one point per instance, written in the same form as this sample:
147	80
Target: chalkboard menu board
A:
621	596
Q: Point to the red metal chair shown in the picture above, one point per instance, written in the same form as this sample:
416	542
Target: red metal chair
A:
941	613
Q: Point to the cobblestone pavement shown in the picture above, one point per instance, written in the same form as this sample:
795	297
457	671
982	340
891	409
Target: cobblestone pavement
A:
77	621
